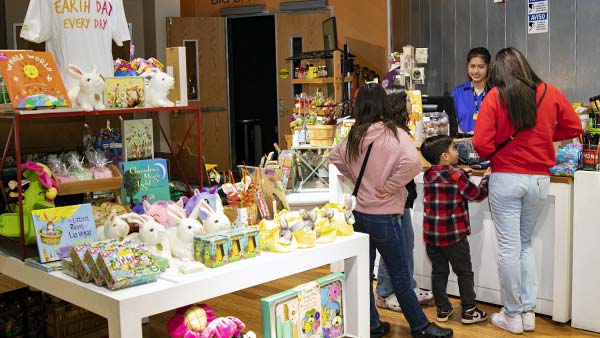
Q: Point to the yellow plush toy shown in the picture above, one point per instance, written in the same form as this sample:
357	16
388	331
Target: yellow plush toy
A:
338	219
326	230
273	239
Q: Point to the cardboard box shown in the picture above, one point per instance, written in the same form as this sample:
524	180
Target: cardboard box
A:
126	266
212	250
176	67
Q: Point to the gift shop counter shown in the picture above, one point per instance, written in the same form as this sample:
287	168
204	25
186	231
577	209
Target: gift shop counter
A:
552	244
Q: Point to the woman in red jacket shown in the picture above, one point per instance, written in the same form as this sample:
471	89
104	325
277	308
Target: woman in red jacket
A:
518	121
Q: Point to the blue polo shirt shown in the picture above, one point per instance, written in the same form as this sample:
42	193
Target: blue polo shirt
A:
464	105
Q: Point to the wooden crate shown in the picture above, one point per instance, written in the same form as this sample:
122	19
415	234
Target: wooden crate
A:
97	184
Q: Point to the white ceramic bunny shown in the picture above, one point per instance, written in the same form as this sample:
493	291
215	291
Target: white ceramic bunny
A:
182	238
152	233
215	221
157	88
89	95
115	226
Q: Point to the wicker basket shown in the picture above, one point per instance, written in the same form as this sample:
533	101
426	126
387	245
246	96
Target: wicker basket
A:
321	135
65	320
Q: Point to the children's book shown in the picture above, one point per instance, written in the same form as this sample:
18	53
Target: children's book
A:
315	309
32	79
48	267
124	92
58	230
147	178
138	142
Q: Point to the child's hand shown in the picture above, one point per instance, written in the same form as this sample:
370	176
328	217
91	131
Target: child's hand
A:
382	193
467	170
488	171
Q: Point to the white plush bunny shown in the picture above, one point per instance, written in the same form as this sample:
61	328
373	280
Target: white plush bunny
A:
215	221
115	226
89	95
182	236
152	233
157	88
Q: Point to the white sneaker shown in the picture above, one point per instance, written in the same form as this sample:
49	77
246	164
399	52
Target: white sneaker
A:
424	296
528	320
389	302
505	322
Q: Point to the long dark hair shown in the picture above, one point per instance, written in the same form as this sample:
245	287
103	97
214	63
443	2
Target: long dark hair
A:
517	84
372	106
397	99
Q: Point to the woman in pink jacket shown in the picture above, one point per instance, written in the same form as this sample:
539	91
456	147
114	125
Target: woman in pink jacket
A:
380	197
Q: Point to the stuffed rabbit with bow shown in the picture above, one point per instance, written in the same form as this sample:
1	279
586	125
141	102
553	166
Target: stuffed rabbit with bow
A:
152	233
215	221
115	226
89	94
182	236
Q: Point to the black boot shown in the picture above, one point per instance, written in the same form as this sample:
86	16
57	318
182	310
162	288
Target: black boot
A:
432	331
381	331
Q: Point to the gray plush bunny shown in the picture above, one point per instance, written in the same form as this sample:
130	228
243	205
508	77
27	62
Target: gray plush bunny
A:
285	231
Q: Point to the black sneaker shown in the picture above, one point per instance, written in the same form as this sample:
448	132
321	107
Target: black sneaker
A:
433	331
381	331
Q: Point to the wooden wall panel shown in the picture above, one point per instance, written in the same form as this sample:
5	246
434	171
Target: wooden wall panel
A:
210	34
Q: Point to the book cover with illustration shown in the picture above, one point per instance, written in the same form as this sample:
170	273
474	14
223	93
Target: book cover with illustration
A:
138	141
309	310
32	79
58	230
124	92
147	178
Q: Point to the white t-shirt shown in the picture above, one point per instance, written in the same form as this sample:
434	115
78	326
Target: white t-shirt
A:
77	32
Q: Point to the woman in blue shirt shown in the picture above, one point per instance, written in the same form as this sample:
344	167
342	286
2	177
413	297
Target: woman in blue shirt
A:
469	95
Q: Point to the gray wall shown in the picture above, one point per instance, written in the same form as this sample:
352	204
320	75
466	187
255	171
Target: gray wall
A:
567	56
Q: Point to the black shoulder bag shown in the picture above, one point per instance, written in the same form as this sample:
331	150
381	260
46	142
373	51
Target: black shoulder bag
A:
511	137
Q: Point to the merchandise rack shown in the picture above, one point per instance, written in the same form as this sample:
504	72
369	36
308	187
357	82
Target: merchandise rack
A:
18	116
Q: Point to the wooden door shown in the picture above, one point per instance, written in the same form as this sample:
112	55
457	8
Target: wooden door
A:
204	39
308	26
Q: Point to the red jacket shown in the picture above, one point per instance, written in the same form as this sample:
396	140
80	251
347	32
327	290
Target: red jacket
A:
531	151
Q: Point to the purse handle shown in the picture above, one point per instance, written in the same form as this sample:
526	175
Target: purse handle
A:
362	171
511	137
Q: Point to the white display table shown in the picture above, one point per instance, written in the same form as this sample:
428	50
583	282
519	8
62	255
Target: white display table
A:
125	309
586	252
552	244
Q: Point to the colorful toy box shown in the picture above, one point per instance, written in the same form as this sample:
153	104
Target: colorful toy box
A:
68	268
125	266
212	250
250	242
234	244
92	253
84	269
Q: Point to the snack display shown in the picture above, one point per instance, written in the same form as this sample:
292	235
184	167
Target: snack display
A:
434	124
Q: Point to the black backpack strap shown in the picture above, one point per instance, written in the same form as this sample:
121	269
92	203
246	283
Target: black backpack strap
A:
362	171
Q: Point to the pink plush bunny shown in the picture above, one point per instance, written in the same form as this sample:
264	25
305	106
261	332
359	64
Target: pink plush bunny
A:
223	327
158	211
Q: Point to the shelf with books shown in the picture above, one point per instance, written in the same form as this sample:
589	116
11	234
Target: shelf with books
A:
12	141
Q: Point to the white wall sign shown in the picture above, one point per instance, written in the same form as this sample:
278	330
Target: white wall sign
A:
537	16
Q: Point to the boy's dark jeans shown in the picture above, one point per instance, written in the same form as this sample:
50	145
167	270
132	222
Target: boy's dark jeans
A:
459	256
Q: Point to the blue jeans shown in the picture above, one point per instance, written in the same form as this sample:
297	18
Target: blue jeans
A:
386	236
516	201
384	283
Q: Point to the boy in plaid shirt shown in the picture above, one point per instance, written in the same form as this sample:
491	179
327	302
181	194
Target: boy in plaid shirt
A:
446	225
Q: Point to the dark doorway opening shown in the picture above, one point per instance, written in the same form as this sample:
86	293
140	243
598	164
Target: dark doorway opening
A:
252	87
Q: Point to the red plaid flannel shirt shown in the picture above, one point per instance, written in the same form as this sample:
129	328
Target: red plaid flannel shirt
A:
446	209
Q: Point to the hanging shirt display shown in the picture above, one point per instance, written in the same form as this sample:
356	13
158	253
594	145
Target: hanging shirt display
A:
77	32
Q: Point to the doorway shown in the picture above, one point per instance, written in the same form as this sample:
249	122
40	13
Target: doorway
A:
252	87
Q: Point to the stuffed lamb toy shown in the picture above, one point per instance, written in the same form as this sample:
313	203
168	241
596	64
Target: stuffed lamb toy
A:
157	88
